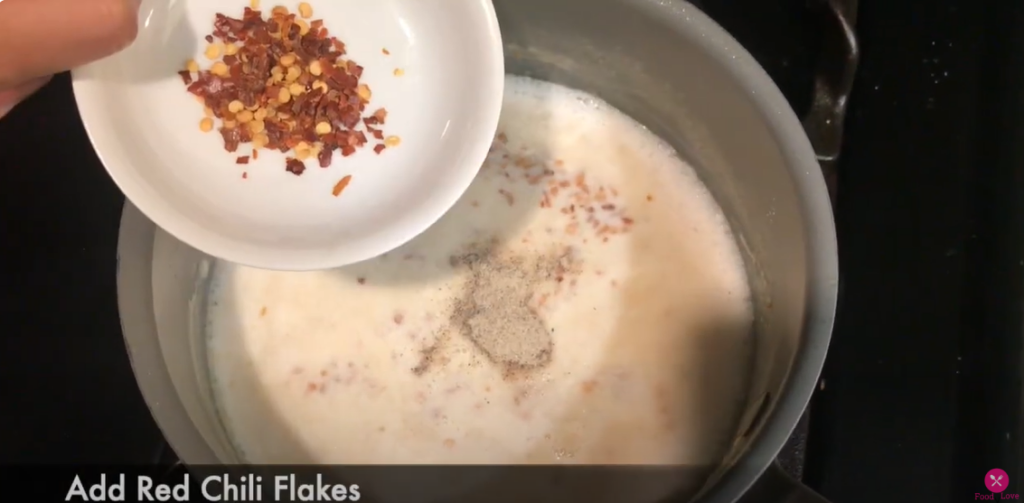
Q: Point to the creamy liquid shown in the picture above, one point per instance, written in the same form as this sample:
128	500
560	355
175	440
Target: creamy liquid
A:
584	302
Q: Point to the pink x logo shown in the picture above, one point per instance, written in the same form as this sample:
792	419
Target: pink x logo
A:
996	480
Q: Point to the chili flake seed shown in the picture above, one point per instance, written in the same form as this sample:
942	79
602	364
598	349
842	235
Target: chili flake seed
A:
399	72
212	51
283	83
364	92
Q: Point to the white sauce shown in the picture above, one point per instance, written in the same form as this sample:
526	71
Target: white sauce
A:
644	301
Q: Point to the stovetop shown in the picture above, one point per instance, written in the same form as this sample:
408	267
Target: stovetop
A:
921	394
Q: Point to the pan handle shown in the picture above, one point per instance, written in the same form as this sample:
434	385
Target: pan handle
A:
776	486
833	82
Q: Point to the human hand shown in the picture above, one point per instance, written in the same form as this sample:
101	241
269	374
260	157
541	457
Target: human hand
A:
39	38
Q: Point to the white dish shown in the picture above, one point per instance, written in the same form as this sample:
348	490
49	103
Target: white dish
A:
145	128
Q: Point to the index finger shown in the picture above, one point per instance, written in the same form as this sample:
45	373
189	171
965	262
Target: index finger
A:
41	37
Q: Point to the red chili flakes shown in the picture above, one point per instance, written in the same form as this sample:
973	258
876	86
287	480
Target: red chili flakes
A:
378	148
294	166
340	186
591	210
508	196
386	51
242	160
283	83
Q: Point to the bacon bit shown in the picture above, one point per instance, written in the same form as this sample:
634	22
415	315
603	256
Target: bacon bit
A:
245	175
242	160
340	186
281	84
377	149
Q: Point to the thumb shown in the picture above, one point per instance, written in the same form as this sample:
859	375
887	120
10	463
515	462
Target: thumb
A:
9	98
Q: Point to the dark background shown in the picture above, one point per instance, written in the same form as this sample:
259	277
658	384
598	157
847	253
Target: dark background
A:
922	389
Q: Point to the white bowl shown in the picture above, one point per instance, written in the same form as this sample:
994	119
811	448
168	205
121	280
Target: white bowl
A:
145	128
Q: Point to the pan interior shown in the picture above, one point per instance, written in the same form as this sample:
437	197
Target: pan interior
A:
658	74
